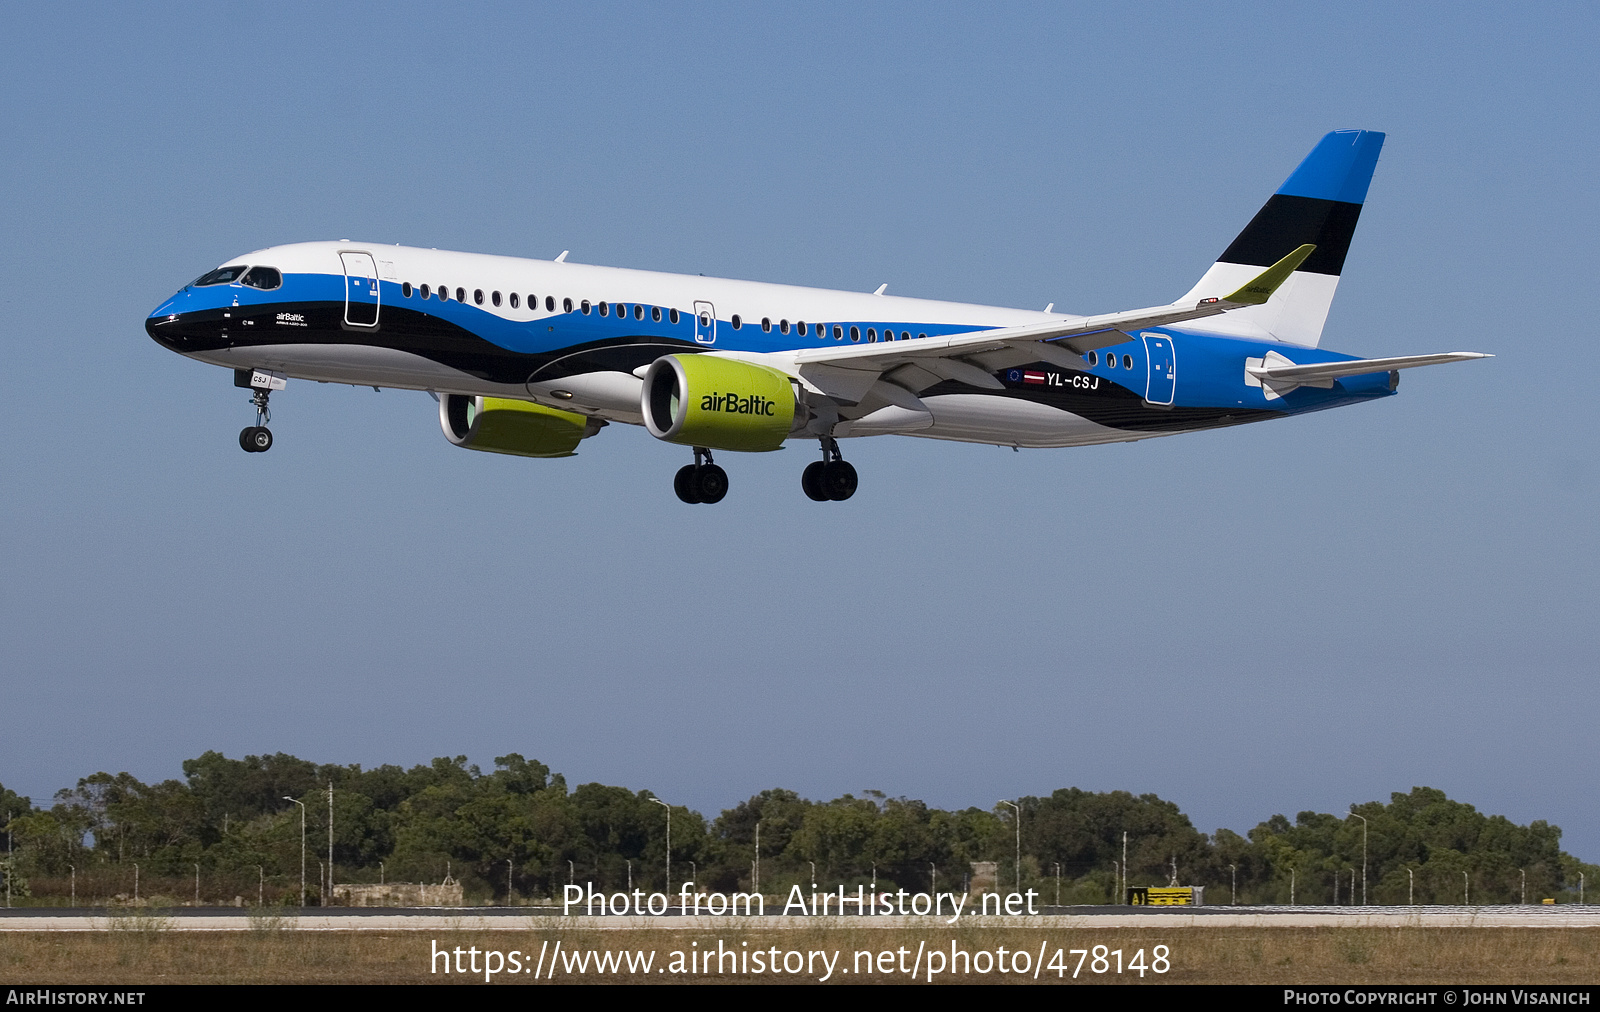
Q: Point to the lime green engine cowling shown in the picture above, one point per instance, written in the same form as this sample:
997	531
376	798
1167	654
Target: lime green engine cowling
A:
503	425
721	403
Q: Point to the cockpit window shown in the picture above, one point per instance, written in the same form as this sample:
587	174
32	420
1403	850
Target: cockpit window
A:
264	278
221	276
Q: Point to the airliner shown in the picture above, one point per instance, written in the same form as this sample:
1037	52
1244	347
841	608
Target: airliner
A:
531	357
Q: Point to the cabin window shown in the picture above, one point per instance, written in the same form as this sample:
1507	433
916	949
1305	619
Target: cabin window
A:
495	298
405	289
584	305
855	333
566	304
1127	361
1094	358
766	325
801	327
1111	361
638	312
922	335
672	316
905	335
477	296
872	335
736	321
838	332
603	309
515	301
264	278
461	295
444	294
783	326
655	313
423	291
220	276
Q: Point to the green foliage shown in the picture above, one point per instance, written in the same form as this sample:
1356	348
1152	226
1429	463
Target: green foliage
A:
519	828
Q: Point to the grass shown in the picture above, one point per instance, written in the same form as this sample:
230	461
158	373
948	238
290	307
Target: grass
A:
143	949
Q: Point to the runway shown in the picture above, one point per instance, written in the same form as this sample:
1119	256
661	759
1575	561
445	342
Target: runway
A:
546	919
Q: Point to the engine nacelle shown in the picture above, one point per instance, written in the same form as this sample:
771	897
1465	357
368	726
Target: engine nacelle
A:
503	425
721	403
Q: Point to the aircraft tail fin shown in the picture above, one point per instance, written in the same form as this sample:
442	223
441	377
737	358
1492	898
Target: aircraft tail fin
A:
1318	205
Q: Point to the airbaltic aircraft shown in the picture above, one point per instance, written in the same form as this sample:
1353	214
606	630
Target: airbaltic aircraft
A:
530	357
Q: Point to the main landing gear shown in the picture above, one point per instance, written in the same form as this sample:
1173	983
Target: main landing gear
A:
829	478
701	482
257	438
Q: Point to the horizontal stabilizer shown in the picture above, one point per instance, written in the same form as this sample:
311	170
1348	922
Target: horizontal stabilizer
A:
1308	374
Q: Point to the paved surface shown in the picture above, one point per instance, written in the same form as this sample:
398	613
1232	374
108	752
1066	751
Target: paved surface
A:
549	918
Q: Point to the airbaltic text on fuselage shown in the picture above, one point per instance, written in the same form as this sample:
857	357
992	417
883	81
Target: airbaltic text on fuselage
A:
733	404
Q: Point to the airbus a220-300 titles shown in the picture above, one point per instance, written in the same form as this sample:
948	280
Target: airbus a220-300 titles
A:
530	357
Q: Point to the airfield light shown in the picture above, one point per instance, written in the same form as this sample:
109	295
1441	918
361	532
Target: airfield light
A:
668	807
1363	819
1018	808
302	848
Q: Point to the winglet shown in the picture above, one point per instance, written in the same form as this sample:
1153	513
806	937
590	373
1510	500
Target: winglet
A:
1259	289
563	257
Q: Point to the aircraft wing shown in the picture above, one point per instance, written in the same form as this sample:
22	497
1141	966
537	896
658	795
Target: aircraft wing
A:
972	357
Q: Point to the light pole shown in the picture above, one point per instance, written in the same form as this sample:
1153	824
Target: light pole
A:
630	876
1466	890
508	881
1411	887
302	848
755	874
136	883
1352	886
1291	887
197	884
1363	819
933	878
74	868
668	807
571	873
1116	897
1124	865
1018	809
1580	888
1524	885
328	901
261	885
1233	888
1058	883
694	875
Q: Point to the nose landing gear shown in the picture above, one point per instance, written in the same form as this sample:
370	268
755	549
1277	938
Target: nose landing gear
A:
697	482
831	477
257	438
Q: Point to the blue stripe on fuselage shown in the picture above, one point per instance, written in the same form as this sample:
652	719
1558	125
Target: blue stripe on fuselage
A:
1209	369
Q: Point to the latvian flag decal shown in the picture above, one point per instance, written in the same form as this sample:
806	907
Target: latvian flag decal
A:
1031	376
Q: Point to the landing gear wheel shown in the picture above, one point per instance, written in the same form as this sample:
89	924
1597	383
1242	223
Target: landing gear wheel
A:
838	479
685	483
255	439
711	483
811	481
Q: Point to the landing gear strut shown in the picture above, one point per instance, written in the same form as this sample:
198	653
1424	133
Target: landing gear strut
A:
701	482
831	477
257	438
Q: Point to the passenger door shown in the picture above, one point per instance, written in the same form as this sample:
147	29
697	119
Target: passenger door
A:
360	289
1162	362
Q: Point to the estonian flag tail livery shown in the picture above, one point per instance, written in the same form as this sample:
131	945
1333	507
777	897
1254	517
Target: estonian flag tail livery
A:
1318	204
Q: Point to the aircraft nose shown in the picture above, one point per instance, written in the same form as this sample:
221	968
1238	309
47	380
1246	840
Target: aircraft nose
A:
177	326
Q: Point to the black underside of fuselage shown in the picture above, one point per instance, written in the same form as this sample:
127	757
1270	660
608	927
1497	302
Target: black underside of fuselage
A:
1098	399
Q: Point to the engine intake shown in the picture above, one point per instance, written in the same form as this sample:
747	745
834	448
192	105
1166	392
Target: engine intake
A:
724	404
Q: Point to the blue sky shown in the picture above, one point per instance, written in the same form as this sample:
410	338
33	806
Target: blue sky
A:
1300	614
